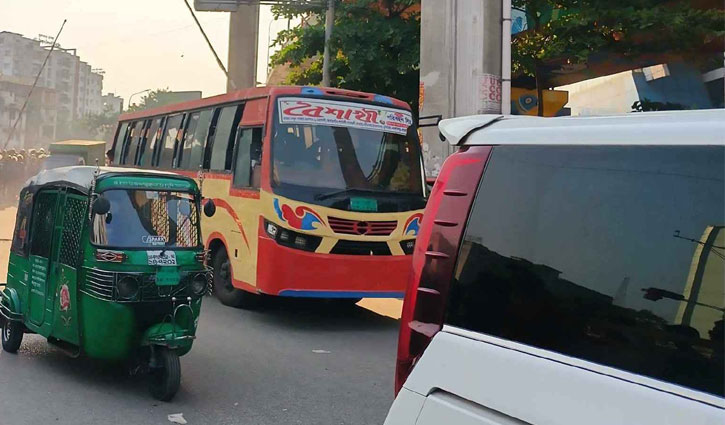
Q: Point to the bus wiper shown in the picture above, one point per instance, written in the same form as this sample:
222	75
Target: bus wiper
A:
323	196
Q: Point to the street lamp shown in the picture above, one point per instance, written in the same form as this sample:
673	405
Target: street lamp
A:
131	97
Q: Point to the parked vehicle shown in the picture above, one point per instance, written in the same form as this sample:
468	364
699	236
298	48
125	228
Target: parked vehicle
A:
570	271
76	152
108	263
327	182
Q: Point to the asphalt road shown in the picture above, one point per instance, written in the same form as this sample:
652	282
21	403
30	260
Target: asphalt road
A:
296	362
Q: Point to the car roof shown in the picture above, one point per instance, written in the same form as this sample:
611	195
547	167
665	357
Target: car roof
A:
82	175
701	127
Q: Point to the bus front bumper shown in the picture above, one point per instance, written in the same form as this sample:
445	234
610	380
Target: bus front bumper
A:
295	273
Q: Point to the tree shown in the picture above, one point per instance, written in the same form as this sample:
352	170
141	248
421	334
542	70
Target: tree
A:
375	46
92	127
570	31
152	99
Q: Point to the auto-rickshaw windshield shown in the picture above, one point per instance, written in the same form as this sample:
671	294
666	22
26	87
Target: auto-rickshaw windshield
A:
147	219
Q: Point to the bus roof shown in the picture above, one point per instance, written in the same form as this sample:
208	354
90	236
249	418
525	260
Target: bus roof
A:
82	176
261	92
699	127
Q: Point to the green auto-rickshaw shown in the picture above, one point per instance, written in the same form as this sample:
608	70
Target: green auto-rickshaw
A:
109	263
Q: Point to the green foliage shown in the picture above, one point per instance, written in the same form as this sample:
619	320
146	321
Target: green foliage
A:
571	30
91	127
375	47
626	27
152	99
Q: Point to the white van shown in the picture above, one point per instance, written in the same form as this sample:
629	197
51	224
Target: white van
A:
570	271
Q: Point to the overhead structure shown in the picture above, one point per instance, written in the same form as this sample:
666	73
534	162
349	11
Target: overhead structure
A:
244	35
233	5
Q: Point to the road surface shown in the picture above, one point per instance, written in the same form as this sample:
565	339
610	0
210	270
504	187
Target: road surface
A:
296	362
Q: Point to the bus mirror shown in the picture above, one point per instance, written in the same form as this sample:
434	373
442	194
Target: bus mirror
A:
101	206
209	208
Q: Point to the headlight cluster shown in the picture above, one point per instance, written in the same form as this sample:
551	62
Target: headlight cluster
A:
408	246
127	288
199	284
291	239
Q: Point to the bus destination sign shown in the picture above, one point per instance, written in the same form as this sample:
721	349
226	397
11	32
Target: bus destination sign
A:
343	114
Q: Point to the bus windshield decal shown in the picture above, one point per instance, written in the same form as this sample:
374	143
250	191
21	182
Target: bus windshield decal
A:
343	114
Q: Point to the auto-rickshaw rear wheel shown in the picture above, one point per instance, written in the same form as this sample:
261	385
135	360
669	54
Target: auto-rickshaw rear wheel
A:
223	288
12	335
165	374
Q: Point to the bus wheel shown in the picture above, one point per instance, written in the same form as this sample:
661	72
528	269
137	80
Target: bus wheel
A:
223	288
165	375
12	335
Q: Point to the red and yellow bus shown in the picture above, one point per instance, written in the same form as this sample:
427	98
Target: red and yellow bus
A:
319	192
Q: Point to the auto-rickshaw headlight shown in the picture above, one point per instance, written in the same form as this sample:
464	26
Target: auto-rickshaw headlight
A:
199	284
127	287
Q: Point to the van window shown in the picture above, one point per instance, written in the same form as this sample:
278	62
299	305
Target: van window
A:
146	151
171	136
222	149
22	224
194	142
613	255
248	163
118	144
43	223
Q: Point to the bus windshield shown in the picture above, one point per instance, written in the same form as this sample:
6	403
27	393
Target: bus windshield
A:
147	219
329	160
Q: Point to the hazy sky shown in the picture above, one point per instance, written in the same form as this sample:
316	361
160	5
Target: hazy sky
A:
141	44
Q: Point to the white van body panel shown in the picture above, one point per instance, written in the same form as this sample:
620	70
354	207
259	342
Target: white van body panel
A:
466	376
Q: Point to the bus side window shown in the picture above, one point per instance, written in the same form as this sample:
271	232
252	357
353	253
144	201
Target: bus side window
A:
131	146
146	150
192	159
183	152
118	143
221	148
168	142
248	158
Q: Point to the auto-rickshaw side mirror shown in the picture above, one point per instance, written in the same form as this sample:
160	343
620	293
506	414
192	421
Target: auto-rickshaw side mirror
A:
101	206
209	208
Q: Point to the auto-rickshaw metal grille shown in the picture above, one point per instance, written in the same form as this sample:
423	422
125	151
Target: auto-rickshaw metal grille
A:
102	284
73	220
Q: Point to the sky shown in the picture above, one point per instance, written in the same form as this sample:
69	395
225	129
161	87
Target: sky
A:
140	44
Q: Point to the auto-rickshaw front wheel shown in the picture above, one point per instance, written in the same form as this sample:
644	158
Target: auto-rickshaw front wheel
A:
165	374
12	335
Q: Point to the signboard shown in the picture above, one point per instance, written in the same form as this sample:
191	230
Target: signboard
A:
489	94
233	5
343	114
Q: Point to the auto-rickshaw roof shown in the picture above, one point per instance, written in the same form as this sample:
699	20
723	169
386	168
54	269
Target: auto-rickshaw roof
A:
81	177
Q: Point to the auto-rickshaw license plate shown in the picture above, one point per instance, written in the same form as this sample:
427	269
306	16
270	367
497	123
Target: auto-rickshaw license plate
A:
161	258
165	277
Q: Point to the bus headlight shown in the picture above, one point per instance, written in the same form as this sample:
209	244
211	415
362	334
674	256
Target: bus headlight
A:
127	288
408	246
199	284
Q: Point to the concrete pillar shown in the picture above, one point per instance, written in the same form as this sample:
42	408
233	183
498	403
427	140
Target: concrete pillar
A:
243	40
460	61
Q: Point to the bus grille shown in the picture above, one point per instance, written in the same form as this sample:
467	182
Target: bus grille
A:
367	228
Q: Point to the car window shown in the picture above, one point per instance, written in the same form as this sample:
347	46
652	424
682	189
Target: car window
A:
610	254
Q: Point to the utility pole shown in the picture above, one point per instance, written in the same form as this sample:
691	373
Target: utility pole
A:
243	41
460	65
329	23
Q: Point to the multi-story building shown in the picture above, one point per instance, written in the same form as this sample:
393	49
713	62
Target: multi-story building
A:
37	124
112	104
76	85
